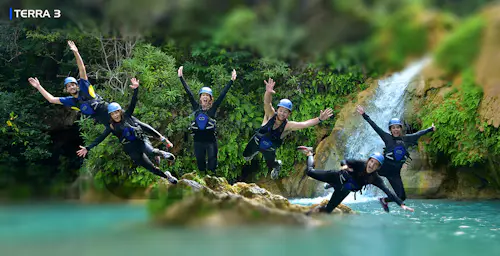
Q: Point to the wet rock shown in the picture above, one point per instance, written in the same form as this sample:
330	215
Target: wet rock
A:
219	204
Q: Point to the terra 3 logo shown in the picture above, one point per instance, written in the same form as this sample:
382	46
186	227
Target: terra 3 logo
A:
33	14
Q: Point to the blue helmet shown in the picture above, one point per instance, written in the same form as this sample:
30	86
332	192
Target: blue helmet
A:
70	79
286	103
205	90
113	106
395	121
377	156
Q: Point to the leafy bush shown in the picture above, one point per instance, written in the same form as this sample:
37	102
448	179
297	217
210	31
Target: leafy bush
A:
457	120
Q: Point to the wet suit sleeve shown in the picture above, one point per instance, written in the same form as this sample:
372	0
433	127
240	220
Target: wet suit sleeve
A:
222	95
378	182
413	138
68	101
383	135
194	104
148	128
355	164
133	102
86	88
99	139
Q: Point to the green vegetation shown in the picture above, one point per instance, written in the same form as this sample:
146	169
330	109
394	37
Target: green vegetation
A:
461	47
319	53
462	137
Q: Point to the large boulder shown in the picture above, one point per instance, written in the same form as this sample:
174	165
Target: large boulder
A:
219	204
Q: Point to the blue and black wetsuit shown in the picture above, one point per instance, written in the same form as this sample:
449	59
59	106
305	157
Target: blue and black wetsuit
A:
131	133
396	154
203	127
267	141
345	182
88	102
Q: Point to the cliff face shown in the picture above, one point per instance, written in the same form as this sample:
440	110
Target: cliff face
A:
486	68
465	165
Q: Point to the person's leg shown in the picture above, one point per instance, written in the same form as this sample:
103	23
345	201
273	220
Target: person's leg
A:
148	148
330	177
200	152
141	159
251	150
146	163
212	156
337	197
272	164
157	153
396	184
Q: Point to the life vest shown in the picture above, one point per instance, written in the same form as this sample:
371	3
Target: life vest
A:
202	122
130	131
397	154
89	107
348	182
267	138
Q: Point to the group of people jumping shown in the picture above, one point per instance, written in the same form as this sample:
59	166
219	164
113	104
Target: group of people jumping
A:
133	135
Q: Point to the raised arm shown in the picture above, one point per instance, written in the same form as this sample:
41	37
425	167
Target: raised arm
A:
148	128
133	102
35	83
192	99
225	90
413	138
79	60
153	131
383	135
294	126
268	99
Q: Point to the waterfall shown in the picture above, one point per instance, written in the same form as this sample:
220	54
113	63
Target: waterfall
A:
387	102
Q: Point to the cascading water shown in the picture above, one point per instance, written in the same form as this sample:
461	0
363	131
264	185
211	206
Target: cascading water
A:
387	102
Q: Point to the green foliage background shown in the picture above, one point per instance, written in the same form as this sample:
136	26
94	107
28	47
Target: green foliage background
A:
321	53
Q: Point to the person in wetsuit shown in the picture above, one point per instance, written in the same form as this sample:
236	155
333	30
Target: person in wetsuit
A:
131	134
83	97
395	152
275	126
203	127
350	178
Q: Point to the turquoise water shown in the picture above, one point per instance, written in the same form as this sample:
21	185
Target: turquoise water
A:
437	227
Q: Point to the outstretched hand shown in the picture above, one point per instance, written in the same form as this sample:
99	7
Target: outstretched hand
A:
233	75
167	142
179	71
34	82
135	83
270	85
72	46
360	109
347	168
404	207
433	127
82	152
325	114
